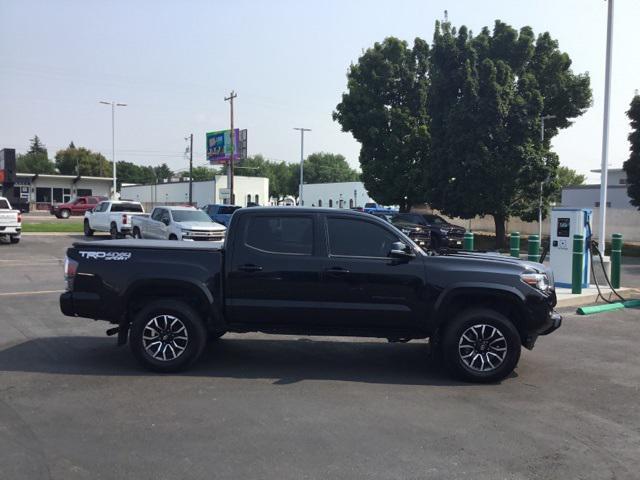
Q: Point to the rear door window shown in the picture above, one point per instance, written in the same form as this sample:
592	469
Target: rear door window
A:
286	235
349	237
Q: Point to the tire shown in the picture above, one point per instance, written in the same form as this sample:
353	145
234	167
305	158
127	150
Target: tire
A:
136	233
65	214
488	357
113	230
180	352
15	240
87	229
173	237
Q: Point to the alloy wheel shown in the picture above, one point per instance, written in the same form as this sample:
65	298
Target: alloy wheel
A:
165	338
482	348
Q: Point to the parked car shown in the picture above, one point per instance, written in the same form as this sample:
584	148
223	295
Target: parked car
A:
10	221
372	207
220	213
443	233
113	216
311	271
177	223
77	206
417	233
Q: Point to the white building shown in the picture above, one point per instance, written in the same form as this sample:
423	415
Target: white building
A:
335	195
246	189
588	196
622	217
40	190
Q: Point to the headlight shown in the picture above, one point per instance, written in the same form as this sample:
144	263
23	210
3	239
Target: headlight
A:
536	280
186	232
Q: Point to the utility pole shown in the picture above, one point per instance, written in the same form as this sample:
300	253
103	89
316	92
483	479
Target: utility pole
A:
301	130
113	138
230	167
604	167
190	138
542	119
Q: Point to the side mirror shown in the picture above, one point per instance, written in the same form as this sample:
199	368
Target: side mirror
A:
400	250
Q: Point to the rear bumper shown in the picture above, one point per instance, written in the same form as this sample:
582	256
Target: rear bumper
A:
13	230
81	304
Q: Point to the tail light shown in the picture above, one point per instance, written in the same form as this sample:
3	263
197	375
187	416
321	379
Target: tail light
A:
20	218
124	219
70	269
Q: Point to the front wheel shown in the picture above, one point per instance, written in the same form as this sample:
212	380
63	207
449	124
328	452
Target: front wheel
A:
88	232
481	345
65	213
15	240
167	336
173	237
136	233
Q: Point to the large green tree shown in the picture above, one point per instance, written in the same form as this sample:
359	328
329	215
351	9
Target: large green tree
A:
36	160
384	108
324	167
81	161
200	174
632	165
487	96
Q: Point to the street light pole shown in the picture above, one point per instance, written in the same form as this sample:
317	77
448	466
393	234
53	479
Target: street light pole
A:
542	119
113	139
604	172
230	99
301	130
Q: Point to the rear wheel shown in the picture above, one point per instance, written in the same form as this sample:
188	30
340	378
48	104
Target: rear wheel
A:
113	230
167	336
481	345
65	213
87	229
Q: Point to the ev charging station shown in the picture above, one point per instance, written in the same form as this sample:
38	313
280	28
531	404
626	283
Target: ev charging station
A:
565	223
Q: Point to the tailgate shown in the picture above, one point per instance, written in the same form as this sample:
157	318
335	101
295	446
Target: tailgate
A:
9	217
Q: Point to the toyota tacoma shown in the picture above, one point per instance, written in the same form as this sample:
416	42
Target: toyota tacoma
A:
311	271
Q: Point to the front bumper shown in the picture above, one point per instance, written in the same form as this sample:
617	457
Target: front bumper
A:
455	242
556	321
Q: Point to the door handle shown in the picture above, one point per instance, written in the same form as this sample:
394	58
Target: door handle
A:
337	271
249	267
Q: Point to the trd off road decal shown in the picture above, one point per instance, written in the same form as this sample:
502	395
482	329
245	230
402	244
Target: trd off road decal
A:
116	256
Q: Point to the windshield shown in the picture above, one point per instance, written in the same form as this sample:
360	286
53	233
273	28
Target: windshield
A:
435	219
190	216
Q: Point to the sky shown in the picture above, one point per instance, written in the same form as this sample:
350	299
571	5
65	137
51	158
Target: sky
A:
173	62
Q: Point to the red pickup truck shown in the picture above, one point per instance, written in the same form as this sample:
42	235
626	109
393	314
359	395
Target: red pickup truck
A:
77	206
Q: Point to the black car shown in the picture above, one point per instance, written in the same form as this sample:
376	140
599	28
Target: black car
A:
311	271
443	233
418	233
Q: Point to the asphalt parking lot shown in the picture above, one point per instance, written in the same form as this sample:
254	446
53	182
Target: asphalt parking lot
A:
75	406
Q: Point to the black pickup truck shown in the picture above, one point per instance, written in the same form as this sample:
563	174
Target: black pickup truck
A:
311	271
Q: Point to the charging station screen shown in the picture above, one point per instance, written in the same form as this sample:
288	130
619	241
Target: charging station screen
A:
563	227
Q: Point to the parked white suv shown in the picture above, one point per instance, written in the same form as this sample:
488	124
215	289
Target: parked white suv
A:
10	221
112	216
177	223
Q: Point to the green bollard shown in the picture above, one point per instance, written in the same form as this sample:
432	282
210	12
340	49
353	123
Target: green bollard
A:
468	241
514	244
616	259
534	248
577	264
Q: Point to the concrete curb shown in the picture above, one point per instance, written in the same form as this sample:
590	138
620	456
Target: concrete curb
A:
52	234
591	296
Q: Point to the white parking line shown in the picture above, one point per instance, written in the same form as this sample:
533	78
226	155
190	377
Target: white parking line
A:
39	292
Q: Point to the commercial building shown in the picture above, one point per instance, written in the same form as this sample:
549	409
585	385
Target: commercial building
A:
246	190
588	196
335	195
41	190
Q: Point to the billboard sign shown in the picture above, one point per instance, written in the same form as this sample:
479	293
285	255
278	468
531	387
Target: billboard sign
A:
219	146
